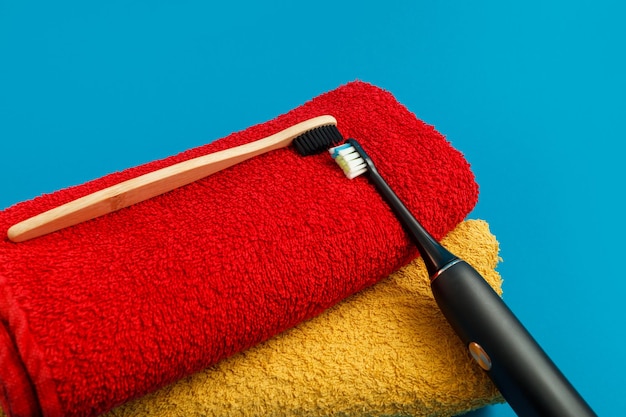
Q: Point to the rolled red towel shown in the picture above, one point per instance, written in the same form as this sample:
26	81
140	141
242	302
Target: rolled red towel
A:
102	312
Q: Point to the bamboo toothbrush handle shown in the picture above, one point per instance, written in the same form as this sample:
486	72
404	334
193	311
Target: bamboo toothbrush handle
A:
154	183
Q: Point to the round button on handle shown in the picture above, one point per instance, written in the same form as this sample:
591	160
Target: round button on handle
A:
480	356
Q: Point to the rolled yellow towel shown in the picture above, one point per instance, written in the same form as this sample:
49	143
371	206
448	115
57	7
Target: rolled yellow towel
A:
385	351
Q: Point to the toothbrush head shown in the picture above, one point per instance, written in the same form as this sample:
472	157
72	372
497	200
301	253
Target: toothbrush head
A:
317	140
352	159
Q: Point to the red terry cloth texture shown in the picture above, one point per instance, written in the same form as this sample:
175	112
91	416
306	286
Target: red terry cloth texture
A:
116	307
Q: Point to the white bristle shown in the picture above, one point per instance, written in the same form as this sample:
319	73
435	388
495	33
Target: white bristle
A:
353	175
356	165
349	156
349	159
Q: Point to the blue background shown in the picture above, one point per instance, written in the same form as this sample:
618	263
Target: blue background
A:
532	93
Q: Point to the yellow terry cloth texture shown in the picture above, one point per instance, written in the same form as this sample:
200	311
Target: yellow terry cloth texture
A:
385	351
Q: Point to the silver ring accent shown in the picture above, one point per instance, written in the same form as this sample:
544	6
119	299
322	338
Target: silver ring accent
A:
442	270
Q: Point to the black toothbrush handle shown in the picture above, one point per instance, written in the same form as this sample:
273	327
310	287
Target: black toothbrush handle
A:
500	344
518	366
523	373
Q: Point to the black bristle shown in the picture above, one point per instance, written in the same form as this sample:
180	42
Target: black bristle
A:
317	140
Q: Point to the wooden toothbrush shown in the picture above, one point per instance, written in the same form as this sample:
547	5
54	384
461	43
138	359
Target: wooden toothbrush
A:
306	137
